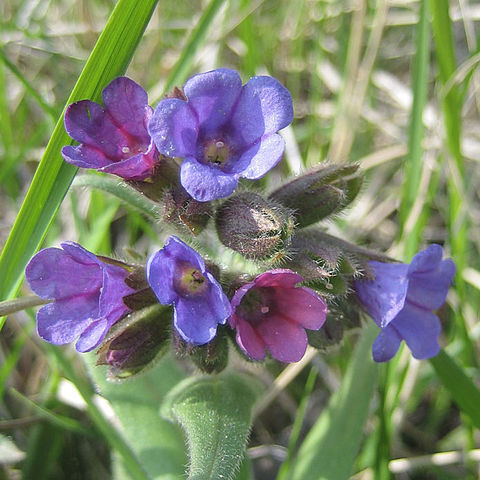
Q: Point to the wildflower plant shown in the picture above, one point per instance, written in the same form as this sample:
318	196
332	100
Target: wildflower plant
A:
235	274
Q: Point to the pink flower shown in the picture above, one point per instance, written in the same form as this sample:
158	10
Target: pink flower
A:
272	312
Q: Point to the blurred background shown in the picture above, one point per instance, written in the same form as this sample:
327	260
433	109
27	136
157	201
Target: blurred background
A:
354	69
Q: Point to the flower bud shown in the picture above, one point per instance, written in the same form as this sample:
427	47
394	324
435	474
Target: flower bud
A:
320	192
135	341
254	226
327	263
181	209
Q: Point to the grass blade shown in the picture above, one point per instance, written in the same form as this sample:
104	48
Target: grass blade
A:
109	59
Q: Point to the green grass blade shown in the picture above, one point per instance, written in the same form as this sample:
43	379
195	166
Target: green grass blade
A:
329	450
109	59
463	391
414	161
196	39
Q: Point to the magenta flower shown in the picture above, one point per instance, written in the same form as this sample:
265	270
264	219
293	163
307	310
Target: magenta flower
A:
113	139
222	130
401	300
87	295
272	312
178	276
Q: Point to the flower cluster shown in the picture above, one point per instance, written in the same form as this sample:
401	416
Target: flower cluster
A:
190	151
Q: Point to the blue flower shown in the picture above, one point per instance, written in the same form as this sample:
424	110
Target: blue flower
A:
223	130
401	300
87	295
178	276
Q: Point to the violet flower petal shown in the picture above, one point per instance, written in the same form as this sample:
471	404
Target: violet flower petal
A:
280	277
92	335
386	344
286	340
264	107
212	95
63	321
248	340
262	156
126	103
85	156
301	305
204	182
196	319
174	128
420	329
49	275
428	289
385	296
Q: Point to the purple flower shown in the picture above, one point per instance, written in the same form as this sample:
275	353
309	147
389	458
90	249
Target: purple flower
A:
401	300
223	131
271	312
86	292
113	139
178	276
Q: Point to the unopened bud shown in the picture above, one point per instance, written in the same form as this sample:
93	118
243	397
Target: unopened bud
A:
180	209
135	341
327	263
256	227
321	192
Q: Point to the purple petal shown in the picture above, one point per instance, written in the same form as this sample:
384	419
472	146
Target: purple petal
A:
174	128
264	107
248	340
262	156
386	344
219	299
286	341
80	254
385	296
50	275
196	318
280	277
92	336
420	329
86	122
63	321
127	102
300	305
85	156
427	259
212	96
112	293
137	167
428	289
237	298
204	182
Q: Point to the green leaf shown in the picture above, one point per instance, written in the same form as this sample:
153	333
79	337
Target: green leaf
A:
109	59
461	388
120	190
215	413
157	443
328	452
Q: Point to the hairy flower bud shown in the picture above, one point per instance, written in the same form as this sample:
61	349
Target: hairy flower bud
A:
134	342
327	263
254	226
181	209
320	192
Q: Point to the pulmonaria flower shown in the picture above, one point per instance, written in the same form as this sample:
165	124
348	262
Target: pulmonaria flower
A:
223	130
178	276
113	139
87	295
272	312
401	300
